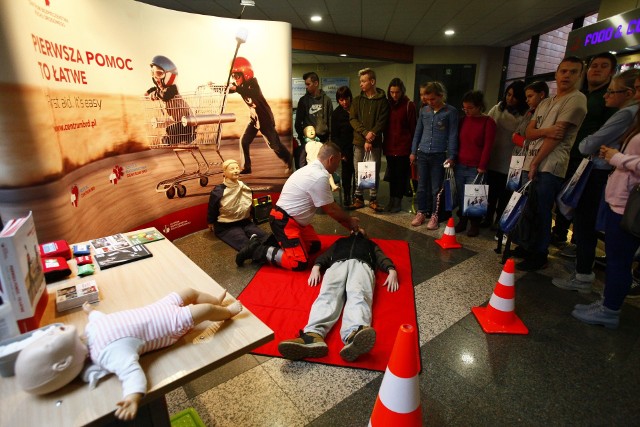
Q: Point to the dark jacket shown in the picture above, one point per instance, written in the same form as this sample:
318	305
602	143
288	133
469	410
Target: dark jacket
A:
369	115
342	132
314	111
356	246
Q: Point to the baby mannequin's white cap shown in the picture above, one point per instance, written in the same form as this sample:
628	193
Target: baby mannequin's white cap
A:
52	361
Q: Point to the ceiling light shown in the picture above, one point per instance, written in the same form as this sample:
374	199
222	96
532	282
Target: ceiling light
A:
449	32
316	18
247	3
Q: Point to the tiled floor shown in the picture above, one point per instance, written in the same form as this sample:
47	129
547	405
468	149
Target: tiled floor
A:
562	373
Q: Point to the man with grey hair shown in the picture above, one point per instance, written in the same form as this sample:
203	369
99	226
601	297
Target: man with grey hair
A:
369	114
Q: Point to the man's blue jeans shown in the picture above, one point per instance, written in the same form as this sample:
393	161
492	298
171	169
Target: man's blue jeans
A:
430	179
547	186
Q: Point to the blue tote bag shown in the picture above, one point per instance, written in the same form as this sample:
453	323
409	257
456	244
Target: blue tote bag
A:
513	210
572	190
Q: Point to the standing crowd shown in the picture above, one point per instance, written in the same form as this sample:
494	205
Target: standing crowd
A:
531	141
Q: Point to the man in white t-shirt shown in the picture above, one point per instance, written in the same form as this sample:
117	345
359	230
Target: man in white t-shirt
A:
552	131
306	190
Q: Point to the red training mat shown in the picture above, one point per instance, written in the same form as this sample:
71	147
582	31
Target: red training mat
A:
282	299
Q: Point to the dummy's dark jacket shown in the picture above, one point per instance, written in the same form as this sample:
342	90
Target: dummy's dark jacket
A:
355	247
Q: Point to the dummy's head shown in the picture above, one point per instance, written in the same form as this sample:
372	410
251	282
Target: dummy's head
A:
51	361
231	170
309	132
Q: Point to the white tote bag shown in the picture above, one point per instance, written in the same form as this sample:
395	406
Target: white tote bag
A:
366	172
476	197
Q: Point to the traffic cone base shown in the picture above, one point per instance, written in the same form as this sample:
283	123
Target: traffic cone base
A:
499	316
448	239
516	327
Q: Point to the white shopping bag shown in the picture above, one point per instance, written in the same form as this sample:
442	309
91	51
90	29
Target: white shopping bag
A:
366	173
476	198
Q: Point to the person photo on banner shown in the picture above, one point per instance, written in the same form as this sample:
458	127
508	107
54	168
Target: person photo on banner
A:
163	75
261	116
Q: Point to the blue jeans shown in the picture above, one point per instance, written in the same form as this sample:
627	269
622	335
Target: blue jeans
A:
430	179
546	186
620	248
464	175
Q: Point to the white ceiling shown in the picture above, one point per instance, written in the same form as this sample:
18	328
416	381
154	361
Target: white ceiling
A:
496	23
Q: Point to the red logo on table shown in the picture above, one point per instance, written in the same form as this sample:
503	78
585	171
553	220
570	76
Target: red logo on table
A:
74	196
116	174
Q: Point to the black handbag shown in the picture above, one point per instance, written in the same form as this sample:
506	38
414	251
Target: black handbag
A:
631	217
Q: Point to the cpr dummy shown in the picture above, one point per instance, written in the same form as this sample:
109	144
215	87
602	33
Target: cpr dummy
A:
55	359
312	147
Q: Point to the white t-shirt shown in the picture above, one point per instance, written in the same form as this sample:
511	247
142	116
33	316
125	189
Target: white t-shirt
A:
306	190
571	108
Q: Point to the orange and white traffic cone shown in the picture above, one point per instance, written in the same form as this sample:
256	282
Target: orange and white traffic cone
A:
499	317
448	239
398	402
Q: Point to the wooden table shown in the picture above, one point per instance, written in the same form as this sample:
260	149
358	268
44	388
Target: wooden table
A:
123	287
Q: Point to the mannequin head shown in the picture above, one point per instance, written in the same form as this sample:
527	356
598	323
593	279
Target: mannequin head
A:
309	132
231	170
52	361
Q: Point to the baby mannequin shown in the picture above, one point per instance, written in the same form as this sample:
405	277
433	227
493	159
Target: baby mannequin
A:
312	147
115	341
229	211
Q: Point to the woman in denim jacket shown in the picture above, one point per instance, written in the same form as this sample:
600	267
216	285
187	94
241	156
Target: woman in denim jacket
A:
435	143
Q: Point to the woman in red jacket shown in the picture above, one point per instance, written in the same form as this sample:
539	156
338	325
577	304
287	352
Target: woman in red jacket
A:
476	135
397	142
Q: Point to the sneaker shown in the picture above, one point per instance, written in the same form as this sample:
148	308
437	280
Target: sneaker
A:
419	219
580	307
308	344
358	203
533	262
576	282
433	223
598	315
373	204
569	251
359	342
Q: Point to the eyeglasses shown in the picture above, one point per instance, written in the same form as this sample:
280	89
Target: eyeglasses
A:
611	92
